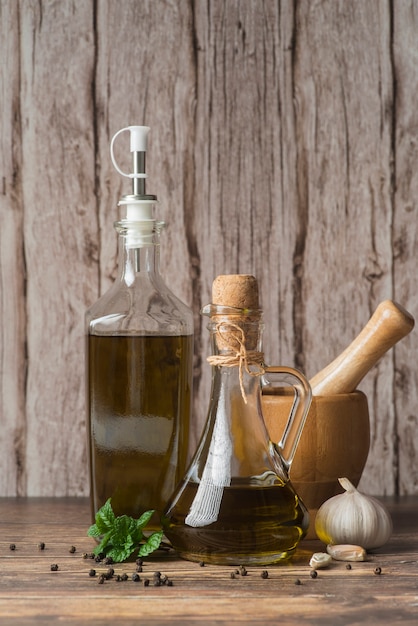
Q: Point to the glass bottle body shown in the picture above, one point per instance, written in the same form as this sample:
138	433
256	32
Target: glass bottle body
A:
139	380
236	504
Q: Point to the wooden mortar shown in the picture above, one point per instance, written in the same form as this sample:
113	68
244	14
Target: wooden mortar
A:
336	437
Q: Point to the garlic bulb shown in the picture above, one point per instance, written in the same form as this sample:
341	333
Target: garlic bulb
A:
353	518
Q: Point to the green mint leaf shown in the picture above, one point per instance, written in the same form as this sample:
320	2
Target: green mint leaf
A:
144	519
152	543
93	531
120	553
105	518
121	536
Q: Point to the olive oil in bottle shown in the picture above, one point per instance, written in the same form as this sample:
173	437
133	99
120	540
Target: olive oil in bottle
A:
138	423
139	353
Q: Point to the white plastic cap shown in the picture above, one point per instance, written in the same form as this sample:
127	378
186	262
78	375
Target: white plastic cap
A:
139	137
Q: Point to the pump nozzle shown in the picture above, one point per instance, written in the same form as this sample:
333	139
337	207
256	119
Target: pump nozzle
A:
139	205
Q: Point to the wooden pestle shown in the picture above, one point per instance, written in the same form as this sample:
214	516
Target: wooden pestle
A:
388	324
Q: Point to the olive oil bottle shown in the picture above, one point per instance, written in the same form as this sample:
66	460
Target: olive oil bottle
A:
139	352
236	504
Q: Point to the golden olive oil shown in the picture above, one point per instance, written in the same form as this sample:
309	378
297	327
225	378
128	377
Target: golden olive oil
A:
139	393
256	525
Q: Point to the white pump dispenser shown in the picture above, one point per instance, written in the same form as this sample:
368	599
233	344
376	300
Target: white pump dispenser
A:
139	205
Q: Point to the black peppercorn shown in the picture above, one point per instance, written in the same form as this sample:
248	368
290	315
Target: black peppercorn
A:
136	578
348	566
72	549
233	575
109	573
108	560
54	567
12	546
101	579
298	581
41	546
202	564
139	568
124	577
313	573
146	582
92	573
264	574
243	571
378	570
169	583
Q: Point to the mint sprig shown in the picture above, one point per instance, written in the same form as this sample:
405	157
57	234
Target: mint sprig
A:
120	536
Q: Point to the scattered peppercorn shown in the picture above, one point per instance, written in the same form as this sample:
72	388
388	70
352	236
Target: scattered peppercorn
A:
124	577
101	579
136	578
313	573
298	581
108	560
12	547
202	564
41	546
264	574
110	572
97	559
348	566
72	549
92	573
233	575
54	567
169	583
243	571
84	555
139	568
139	561
146	582
378	570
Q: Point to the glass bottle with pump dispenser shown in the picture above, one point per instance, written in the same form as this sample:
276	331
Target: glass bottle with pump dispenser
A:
139	364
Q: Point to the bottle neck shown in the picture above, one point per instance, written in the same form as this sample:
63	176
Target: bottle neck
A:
138	249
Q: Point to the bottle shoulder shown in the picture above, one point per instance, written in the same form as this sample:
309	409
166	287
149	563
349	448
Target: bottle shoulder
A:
143	307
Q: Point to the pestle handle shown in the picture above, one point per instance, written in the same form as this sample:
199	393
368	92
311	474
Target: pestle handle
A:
388	324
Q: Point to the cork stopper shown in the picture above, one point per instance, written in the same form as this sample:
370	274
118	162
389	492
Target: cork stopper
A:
236	290
239	291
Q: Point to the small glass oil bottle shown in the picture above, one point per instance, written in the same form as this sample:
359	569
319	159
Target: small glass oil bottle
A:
236	504
139	365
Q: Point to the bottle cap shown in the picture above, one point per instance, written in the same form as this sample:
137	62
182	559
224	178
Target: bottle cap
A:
139	205
235	308
236	290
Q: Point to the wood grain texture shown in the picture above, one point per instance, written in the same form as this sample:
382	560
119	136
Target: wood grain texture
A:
283	144
31	594
12	266
59	236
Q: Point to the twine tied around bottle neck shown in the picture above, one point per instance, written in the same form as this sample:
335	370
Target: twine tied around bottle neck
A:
240	356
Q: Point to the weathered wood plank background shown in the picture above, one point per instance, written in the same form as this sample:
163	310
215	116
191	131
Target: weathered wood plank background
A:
284	143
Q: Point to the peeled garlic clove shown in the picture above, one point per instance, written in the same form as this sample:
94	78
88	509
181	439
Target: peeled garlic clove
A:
347	552
320	560
353	518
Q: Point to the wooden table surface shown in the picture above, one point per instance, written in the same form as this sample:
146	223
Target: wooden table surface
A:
30	593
